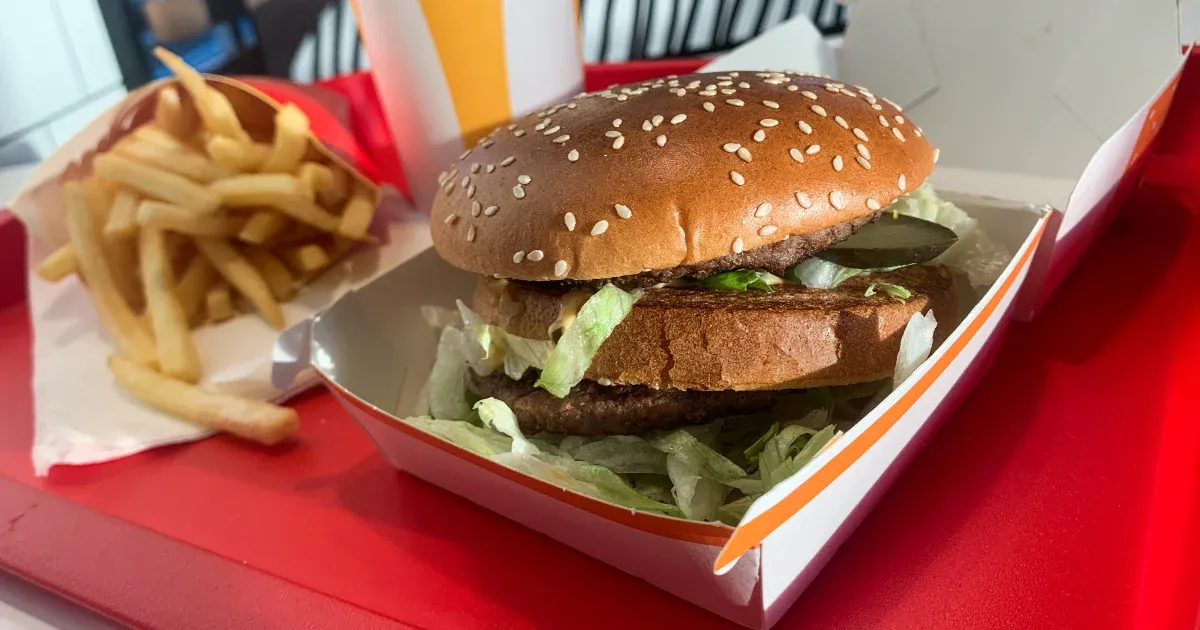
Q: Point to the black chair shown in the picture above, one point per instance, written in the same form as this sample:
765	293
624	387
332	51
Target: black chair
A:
289	27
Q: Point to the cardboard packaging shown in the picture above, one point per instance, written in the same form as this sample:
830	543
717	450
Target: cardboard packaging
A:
1034	140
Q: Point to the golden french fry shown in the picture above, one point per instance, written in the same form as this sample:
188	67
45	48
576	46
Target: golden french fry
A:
122	215
279	279
58	265
357	215
215	110
243	276
291	140
282	192
177	353
335	195
179	159
116	315
297	234
306	259
219	304
193	285
157	183
233	155
340	247
166	216
170	115
316	177
121	249
263	225
250	419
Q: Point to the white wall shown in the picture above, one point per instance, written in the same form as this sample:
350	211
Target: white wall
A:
57	71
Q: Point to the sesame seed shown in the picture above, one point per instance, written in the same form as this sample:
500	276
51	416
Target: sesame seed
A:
535	255
518	133
450	219
475	208
738	245
899	120
448	187
471	234
767	230
760	135
763	210
623	211
646	126
694	84
661	141
657	119
848	93
622	98
573	155
860	134
518	192
841	122
862	150
519	256
736	102
466	181
470	191
523	179
737	178
744	153
569	219
876	106
612	133
899	135
475	167
744	85
803	200
936	154
771	104
728	91
490	210
805	127
511	127
884	121
619	142
560	268
734	74
812	149
464	154
542	125
829	87
837	200
709	106
561	139
837	163
820	111
796	154
768	122
572	105
793	88
551	131
491	168
773	81
863	162
616	122
872	204
678	118
809	95
918	133
725	81
731	147
893	104
508	160
902	183
707	93
871	98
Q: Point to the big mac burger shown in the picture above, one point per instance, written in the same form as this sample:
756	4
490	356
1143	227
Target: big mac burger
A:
689	286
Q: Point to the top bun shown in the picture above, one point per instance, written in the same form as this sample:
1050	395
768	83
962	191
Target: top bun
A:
671	172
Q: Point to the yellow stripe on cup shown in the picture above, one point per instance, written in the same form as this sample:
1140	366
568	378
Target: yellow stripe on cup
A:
470	45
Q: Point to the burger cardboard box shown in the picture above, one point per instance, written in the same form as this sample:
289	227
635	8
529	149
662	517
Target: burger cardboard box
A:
1039	108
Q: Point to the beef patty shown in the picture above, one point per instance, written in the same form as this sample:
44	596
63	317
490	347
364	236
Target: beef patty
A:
594	409
775	258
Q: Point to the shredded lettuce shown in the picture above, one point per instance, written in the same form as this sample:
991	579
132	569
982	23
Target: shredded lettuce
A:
574	352
894	290
491	347
741	280
815	273
915	345
447	384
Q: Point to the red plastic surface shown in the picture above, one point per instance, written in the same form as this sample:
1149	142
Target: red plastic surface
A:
1061	494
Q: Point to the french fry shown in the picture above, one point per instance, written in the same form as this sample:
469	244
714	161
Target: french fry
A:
120	250
242	157
157	183
291	140
177	353
58	265
279	279
306	259
262	226
357	215
176	158
243	276
122	215
340	247
116	315
250	419
193	285
282	192
316	177
219	304
170	115
166	216
214	108
297	234
335	195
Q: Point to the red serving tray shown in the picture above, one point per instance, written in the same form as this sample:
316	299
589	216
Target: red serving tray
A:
1062	493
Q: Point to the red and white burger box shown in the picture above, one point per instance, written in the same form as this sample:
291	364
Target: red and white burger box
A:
1041	108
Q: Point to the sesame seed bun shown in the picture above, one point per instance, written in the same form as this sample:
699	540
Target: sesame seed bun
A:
673	172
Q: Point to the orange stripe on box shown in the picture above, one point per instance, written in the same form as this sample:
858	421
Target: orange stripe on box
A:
711	534
470	45
751	534
1154	120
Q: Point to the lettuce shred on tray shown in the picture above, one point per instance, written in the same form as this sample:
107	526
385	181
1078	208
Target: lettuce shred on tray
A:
710	472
